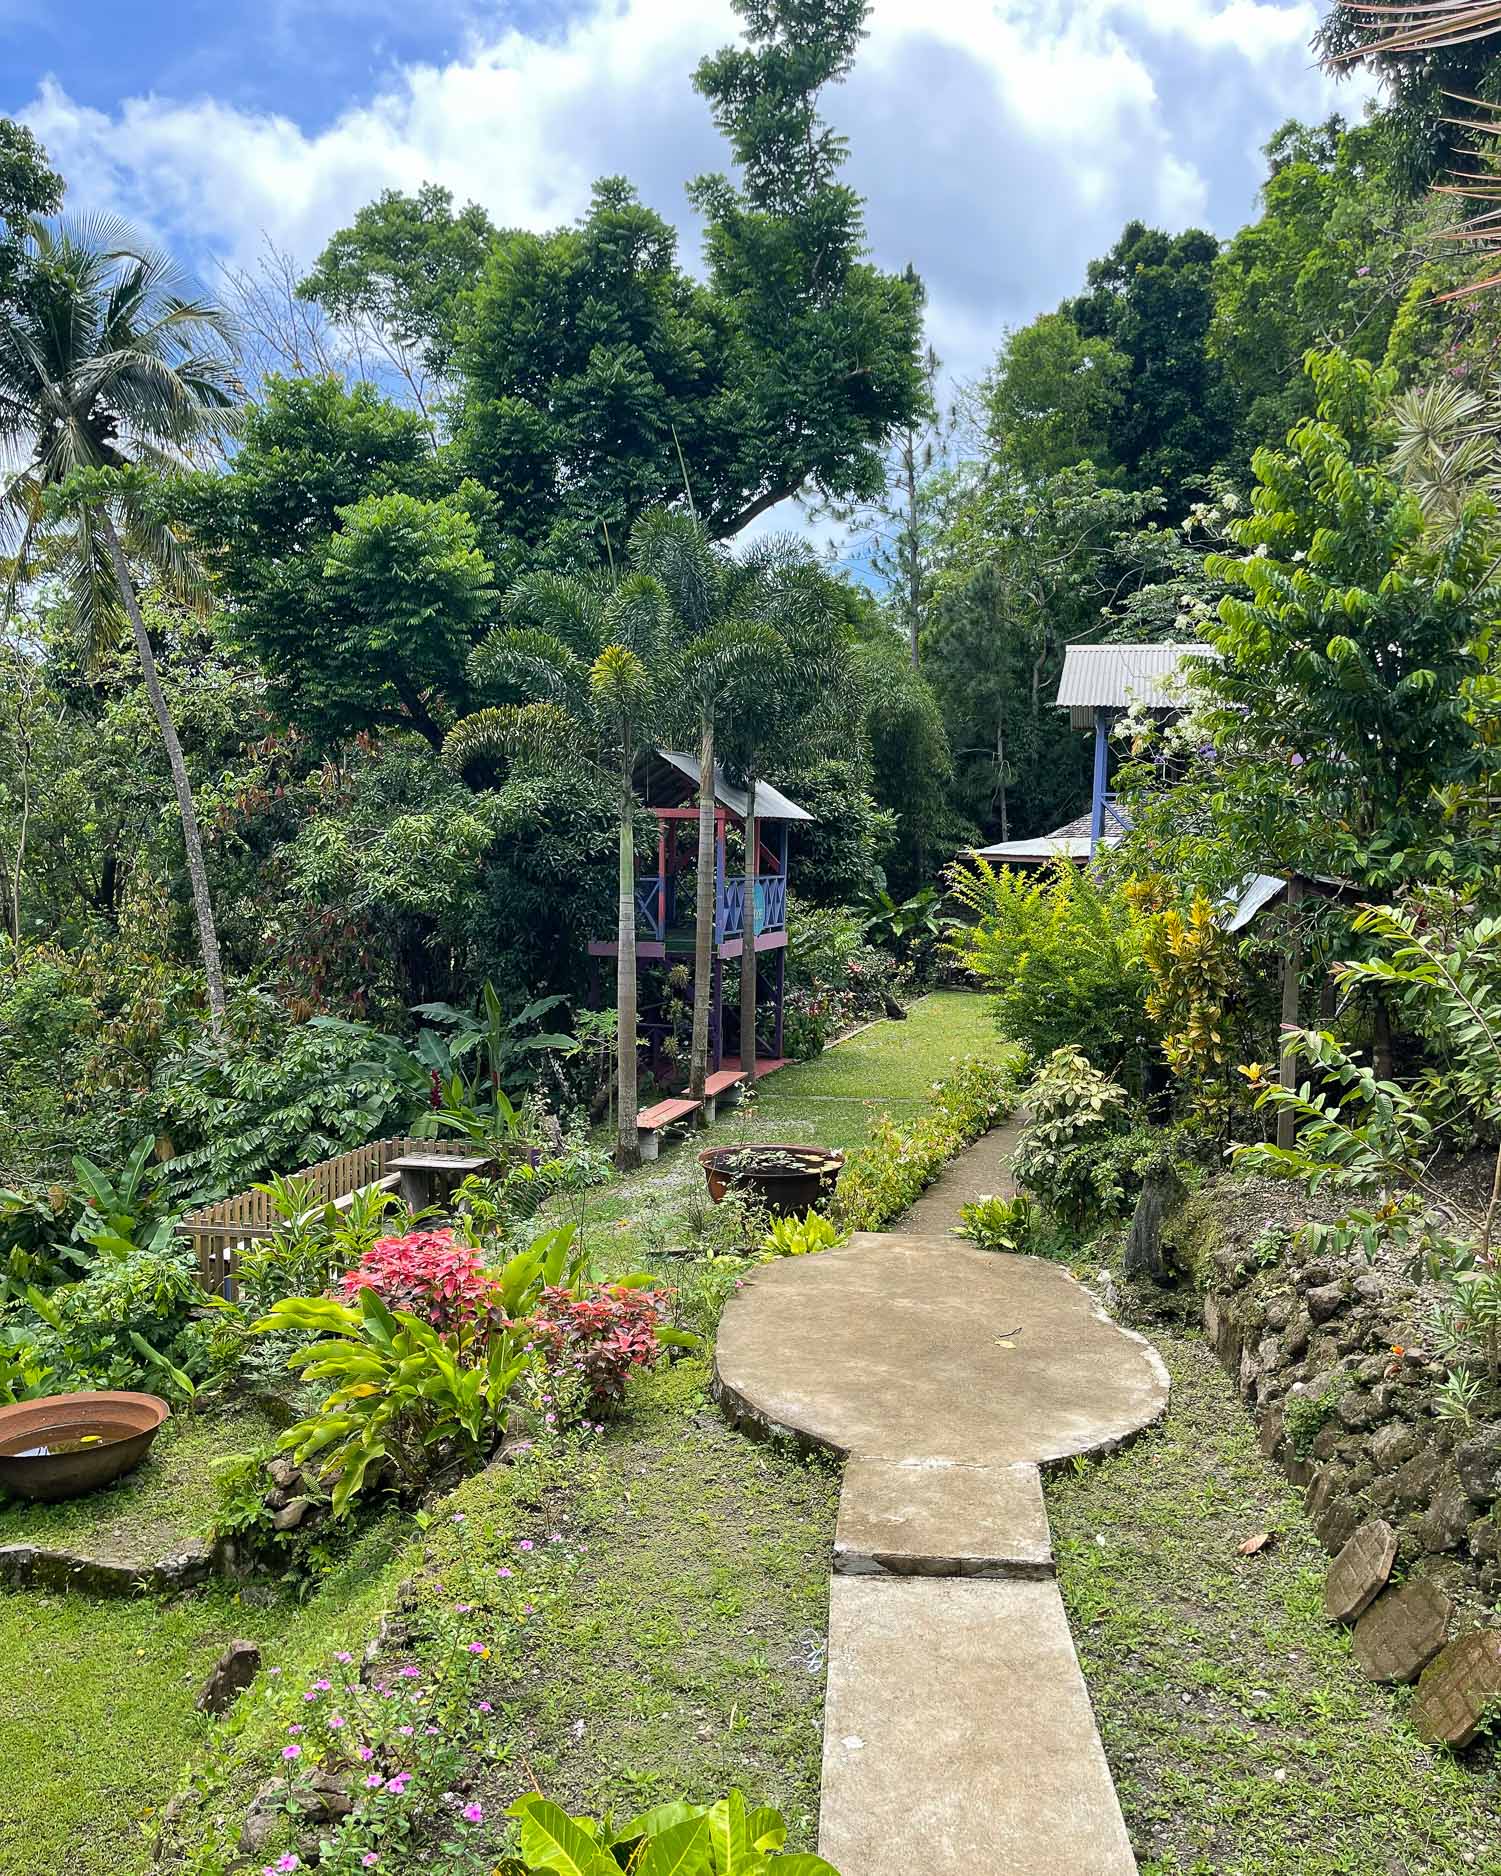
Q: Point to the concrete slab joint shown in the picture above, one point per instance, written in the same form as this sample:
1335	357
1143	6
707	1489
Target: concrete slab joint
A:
958	1733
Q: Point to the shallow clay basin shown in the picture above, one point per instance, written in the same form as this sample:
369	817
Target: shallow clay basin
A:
804	1175
67	1444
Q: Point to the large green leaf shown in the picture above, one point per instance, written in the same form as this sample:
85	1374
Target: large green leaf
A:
765	1828
659	1818
683	1849
733	1855
550	1839
800	1866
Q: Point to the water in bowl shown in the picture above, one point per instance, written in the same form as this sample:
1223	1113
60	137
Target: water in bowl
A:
77	1437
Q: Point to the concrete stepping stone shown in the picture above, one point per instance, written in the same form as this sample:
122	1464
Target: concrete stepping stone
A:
958	1733
932	1519
1459	1690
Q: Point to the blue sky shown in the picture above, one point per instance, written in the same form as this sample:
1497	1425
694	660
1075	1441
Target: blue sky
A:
1001	143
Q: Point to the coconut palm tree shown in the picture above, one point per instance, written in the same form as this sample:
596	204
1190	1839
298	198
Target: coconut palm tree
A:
592	654
726	647
111	369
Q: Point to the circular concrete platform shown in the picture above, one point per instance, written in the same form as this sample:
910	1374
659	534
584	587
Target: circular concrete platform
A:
929	1349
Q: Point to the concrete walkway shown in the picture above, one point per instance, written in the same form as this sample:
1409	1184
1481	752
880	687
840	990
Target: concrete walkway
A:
958	1734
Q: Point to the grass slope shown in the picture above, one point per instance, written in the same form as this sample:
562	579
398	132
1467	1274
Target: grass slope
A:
1243	1739
688	1645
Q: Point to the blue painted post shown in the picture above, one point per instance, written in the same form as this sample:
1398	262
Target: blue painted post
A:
1101	768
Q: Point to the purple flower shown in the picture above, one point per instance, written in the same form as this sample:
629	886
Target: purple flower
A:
462	1608
484	1707
405	1731
410	1674
367	1753
344	1656
525	1544
478	1648
373	1780
458	1517
294	1728
398	1784
322	1686
336	1720
291	1752
474	1813
506	1572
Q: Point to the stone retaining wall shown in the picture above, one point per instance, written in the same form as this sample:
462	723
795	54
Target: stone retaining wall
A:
1348	1410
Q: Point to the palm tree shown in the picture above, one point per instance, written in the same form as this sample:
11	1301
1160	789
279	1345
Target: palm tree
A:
725	645
110	370
799	689
591	652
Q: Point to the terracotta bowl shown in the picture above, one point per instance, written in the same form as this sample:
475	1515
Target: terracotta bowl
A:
783	1191
66	1444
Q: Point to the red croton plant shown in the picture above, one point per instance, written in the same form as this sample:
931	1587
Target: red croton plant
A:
597	1333
426	1274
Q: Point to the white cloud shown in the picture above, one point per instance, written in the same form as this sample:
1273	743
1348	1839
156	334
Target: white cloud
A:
1000	145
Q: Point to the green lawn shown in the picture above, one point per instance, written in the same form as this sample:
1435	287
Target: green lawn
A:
166	1501
1243	1739
688	1644
830	1101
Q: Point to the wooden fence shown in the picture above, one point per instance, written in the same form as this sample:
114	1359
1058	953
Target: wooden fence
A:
217	1232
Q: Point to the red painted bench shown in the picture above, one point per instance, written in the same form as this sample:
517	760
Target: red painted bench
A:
652	1121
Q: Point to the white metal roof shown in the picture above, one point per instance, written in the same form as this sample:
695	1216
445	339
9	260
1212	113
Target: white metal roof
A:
771	803
1111	677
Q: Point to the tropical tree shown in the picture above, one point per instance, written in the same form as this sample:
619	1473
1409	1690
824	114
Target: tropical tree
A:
722	613
807	677
112	367
589	653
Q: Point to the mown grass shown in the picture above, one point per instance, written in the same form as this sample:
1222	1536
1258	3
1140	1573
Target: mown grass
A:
165	1502
1243	1739
687	1641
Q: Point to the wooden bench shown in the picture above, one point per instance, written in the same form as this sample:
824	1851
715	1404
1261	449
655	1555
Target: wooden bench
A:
651	1122
725	1084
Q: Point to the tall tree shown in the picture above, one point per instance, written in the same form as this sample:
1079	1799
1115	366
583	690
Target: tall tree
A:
595	367
591	651
28	188
1152	297
110	368
797	689
726	647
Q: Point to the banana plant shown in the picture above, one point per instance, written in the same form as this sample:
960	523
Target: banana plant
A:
724	1839
400	1389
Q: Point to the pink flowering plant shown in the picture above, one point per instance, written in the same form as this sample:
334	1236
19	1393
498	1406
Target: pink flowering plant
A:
425	1274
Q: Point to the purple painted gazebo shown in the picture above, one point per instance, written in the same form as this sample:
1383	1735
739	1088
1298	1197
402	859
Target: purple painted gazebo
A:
667	783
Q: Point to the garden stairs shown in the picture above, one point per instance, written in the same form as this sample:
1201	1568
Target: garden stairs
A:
958	1733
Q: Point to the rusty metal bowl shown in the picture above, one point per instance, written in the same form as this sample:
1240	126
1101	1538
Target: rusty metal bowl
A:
66	1444
781	1189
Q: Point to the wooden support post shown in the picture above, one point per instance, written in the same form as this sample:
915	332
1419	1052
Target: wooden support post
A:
1292	968
781	986
716	1015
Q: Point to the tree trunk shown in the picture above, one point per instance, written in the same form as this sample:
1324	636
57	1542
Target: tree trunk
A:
627	1135
704	913
203	905
748	939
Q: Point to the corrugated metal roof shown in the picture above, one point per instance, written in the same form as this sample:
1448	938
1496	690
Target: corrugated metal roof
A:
1257	891
771	803
1110	677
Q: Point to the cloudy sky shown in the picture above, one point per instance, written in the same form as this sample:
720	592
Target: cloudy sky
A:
1000	145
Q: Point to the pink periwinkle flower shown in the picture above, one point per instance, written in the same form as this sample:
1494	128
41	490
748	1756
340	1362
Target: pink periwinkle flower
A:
291	1752
474	1813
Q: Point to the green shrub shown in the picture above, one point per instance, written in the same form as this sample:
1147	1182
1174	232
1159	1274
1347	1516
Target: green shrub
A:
998	1224
1072	1112
1062	952
136	1321
902	1160
799	1237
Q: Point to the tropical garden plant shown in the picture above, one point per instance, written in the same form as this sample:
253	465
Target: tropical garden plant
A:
112	370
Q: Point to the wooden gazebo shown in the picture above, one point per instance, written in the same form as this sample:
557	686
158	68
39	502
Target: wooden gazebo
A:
667	783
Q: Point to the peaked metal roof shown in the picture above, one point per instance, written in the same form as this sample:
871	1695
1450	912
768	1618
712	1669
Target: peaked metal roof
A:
771	803
1111	677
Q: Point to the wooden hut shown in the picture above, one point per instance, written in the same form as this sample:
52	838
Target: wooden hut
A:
667	783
